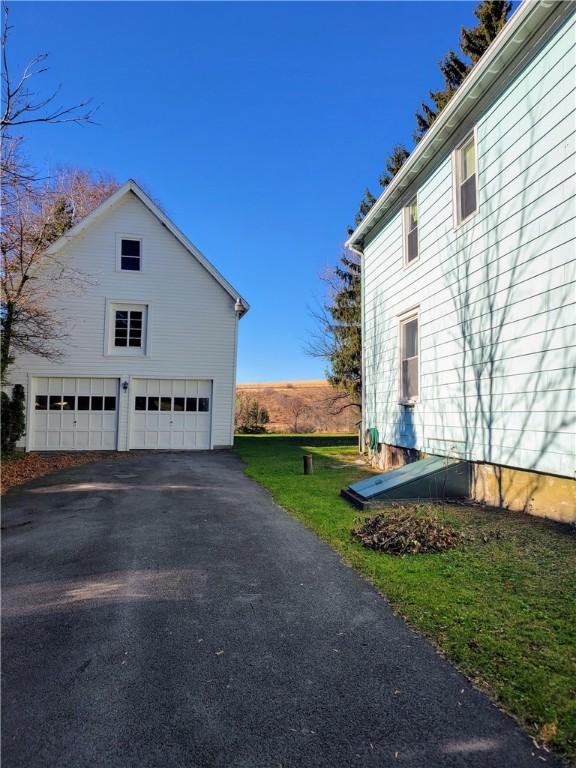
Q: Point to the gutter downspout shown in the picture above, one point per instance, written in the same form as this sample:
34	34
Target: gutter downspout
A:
359	250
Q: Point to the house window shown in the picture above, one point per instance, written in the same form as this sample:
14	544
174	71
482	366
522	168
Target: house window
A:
130	254
409	358
466	188
128	328
411	231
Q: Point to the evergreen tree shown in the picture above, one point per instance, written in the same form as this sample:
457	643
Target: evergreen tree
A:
340	320
13	419
491	15
250	418
341	331
58	221
366	203
395	161
393	164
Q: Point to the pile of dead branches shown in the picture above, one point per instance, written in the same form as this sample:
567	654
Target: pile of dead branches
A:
401	533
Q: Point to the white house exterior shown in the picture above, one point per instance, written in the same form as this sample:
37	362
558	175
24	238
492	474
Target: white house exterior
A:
150	352
469	272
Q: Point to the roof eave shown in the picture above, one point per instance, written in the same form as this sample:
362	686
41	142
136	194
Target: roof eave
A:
132	186
498	58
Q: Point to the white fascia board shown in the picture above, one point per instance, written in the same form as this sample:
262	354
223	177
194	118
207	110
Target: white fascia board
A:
502	53
132	186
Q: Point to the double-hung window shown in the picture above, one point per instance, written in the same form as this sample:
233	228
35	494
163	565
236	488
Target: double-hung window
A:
409	358
411	232
466	179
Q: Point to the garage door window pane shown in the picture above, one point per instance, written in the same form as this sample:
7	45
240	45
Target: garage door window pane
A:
203	404
140	404
178	403
109	403
165	403
68	402
153	403
56	402
97	402
191	404
83	403
41	403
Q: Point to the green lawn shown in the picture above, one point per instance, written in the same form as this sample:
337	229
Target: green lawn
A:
504	611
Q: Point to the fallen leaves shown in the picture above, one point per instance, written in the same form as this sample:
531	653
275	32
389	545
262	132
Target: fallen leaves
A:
547	732
20	469
400	533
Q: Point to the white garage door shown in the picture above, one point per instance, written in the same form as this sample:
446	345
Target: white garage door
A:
171	413
74	414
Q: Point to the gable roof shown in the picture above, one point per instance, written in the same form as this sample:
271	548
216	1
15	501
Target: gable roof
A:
131	187
528	26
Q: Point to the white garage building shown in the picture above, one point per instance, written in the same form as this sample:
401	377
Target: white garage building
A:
149	354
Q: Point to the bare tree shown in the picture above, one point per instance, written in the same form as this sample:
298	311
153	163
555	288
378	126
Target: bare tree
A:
35	211
337	338
22	105
35	214
296	408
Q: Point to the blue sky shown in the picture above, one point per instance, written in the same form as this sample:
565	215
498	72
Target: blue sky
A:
257	126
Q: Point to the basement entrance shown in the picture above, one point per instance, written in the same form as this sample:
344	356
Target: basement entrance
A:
432	479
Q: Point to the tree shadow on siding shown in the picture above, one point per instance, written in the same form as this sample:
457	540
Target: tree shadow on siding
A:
381	393
515	373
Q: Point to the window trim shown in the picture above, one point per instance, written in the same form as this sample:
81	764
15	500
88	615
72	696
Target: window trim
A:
406	317
126	236
405	231
456	184
112	305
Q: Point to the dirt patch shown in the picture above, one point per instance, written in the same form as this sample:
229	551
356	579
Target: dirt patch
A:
19	469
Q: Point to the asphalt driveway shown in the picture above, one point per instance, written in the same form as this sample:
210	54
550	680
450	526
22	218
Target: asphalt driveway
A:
163	611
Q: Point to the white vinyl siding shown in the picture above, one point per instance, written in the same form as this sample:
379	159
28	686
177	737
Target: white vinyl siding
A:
496	294
191	318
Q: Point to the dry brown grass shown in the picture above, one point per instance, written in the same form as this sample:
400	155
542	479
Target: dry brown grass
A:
307	405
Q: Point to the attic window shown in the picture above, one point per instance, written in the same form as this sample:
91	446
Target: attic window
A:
130	255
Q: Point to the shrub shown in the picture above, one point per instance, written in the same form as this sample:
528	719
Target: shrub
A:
13	418
250	417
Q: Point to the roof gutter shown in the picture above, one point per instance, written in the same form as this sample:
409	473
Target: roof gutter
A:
529	18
